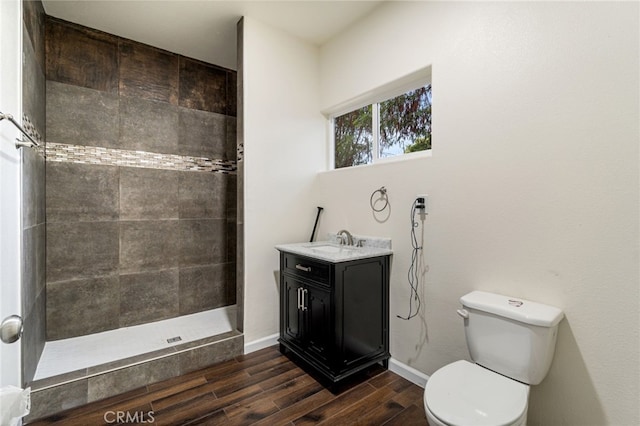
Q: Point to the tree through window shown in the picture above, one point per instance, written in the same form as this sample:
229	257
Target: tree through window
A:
354	137
393	127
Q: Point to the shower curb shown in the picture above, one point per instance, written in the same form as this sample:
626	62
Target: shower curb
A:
59	393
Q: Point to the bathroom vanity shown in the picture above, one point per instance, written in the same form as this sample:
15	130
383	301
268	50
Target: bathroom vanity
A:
334	306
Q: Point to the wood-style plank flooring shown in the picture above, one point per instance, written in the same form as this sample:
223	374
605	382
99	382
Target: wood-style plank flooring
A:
261	388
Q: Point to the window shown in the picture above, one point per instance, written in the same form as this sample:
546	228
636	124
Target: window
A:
353	134
395	126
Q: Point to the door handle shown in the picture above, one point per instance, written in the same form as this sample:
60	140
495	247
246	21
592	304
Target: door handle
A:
304	302
11	329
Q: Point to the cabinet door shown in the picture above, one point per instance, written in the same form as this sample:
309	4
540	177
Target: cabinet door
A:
292	316
319	325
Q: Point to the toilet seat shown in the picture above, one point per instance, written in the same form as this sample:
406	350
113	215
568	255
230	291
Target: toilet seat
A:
463	393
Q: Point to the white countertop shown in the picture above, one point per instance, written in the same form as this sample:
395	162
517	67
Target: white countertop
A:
331	252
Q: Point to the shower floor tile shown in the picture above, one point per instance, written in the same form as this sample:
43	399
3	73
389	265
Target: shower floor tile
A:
63	356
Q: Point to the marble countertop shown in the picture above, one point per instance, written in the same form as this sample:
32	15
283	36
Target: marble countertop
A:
330	251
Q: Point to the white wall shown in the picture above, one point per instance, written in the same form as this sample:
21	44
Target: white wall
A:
284	148
533	182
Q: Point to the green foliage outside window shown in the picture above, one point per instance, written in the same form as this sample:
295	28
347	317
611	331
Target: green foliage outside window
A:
354	137
405	126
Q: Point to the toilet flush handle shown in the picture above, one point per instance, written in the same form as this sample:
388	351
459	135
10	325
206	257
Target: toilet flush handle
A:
463	313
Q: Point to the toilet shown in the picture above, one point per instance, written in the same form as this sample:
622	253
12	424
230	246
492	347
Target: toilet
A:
511	342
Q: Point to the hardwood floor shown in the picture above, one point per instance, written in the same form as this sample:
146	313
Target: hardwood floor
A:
261	388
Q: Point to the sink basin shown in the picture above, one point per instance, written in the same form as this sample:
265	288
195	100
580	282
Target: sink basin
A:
331	248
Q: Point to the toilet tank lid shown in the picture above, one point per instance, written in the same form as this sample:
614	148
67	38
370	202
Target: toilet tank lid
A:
514	308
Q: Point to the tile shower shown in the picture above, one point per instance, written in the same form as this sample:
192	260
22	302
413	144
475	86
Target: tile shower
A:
141	217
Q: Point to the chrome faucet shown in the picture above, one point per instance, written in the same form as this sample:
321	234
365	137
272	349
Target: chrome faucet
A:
345	237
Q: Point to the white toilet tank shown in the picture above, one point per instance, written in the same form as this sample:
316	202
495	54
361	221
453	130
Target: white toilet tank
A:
511	336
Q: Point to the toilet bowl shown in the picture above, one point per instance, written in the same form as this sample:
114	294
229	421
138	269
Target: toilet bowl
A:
463	393
511	342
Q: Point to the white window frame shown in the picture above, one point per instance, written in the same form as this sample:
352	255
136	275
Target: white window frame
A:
374	97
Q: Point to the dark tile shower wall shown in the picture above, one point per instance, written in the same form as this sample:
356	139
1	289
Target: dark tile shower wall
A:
156	238
33	189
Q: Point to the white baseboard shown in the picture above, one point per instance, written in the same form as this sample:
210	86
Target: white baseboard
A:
409	373
261	343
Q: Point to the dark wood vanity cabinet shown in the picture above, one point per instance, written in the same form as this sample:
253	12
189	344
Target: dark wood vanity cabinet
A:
335	316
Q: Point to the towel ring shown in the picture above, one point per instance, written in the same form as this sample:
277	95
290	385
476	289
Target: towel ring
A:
383	196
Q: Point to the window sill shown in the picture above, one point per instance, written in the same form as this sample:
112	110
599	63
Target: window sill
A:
382	161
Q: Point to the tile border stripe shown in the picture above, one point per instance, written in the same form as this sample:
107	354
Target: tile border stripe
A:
80	154
31	129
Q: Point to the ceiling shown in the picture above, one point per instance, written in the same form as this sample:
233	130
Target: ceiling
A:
206	30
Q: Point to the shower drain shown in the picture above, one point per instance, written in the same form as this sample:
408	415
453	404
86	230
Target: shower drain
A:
174	339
